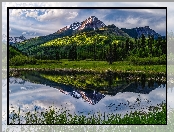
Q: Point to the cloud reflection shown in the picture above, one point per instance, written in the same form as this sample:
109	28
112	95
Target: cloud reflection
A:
44	96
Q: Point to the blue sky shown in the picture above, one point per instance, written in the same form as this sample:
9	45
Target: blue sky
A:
33	23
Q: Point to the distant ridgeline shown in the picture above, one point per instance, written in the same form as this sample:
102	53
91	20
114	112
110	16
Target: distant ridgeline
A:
138	31
13	40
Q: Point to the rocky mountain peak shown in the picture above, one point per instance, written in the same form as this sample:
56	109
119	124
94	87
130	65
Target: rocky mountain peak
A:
146	31
91	22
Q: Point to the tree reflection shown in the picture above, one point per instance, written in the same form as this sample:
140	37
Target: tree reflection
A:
112	83
143	80
110	78
150	83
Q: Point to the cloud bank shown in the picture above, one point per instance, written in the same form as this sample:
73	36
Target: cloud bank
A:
39	22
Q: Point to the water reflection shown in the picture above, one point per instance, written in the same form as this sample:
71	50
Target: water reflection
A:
93	96
120	95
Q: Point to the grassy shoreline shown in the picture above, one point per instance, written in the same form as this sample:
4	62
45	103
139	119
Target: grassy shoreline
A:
93	67
51	116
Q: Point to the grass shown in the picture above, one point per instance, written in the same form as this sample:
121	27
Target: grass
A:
97	66
53	117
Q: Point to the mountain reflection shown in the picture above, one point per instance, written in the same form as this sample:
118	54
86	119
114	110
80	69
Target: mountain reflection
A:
92	97
123	84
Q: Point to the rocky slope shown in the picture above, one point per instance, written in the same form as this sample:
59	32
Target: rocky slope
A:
92	22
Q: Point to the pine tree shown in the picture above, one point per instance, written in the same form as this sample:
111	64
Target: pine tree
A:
164	46
115	52
150	44
127	45
143	39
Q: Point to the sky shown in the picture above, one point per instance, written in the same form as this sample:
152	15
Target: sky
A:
39	22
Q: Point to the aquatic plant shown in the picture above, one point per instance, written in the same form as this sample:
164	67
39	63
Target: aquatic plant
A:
53	116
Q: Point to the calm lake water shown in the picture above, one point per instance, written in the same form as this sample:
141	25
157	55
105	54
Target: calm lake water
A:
30	93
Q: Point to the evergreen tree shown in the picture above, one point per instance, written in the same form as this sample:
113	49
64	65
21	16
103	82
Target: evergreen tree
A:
115	52
143	40
127	45
57	55
158	44
150	41
164	46
109	55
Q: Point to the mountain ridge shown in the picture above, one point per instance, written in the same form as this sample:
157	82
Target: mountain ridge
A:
93	23
90	22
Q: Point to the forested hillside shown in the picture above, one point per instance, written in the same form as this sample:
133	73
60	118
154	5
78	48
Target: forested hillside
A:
93	40
95	46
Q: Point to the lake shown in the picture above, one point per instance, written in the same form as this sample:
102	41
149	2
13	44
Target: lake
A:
83	94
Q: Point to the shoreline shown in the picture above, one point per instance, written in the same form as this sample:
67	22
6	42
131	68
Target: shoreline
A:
132	75
80	70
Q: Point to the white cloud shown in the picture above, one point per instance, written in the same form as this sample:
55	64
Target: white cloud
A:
57	14
50	14
32	14
132	21
47	14
16	12
160	27
24	33
129	22
72	15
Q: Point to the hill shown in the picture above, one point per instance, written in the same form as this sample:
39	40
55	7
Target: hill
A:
92	39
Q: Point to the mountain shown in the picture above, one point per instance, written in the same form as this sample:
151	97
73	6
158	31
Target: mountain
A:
90	23
93	23
90	39
138	31
13	40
